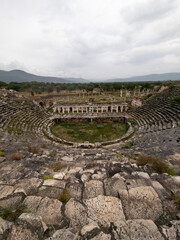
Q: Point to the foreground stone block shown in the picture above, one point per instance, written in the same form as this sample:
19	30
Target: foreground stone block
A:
50	211
141	203
104	210
138	229
173	232
102	236
18	232
4	227
76	212
30	186
65	234
93	188
32	222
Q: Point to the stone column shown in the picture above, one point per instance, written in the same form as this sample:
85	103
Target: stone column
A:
121	108
121	93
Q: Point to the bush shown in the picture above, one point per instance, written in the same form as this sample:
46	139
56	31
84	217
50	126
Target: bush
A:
33	149
16	156
64	196
156	164
56	166
119	155
10	214
175	99
176	198
128	145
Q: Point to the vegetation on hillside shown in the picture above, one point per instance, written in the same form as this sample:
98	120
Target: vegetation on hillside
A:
42	87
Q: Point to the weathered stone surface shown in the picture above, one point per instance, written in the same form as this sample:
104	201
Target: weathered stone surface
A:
138	229
2	159
12	201
18	232
32	222
30	185
5	191
104	210
102	236
67	159
173	232
59	175
50	211
141	202
75	190
76	212
141	174
55	183
51	192
65	234
162	193
140	182
92	189
85	177
90	230
98	176
32	203
4	226
113	186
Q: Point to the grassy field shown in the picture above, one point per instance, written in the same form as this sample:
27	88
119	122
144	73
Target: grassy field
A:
89	131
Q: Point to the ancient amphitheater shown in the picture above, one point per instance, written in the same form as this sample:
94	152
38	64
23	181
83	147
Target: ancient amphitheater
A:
55	189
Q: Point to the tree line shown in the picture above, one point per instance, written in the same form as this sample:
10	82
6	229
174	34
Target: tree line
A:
42	87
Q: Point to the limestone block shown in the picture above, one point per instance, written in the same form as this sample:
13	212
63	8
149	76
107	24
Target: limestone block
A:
50	211
141	202
76	212
93	188
104	210
138	229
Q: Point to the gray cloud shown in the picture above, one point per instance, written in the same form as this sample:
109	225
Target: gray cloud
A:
90	38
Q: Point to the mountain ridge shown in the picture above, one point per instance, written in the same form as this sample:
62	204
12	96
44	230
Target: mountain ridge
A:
22	76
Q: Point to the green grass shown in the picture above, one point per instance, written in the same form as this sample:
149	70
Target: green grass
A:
175	99
128	144
2	154
47	177
56	166
64	196
119	155
176	198
89	131
11	214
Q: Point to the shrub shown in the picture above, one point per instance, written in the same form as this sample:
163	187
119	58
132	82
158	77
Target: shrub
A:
64	196
147	96
156	163
175	99
46	177
2	154
176	198
33	149
16	156
11	214
128	145
56	166
119	155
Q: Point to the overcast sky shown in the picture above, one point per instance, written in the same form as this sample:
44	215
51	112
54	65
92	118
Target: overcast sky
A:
93	39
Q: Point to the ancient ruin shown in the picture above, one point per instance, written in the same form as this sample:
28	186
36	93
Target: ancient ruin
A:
126	189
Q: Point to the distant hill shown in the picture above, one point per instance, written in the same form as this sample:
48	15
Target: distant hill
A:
21	76
151	77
